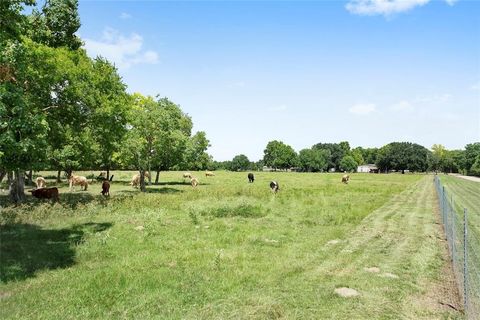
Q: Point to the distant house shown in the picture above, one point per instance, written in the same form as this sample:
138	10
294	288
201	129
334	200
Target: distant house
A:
367	168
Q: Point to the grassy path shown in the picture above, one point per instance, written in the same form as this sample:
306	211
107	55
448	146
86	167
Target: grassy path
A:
401	239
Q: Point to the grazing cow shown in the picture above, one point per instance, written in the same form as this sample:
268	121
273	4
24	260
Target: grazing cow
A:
194	182
209	174
187	175
136	179
251	177
78	180
102	176
105	188
40	182
345	178
274	186
45	193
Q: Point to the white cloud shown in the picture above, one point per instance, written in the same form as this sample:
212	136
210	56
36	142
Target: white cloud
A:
386	7
125	15
402	106
124	51
362	109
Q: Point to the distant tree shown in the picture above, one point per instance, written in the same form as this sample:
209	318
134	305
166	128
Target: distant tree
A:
402	156
357	154
475	168
196	156
472	151
337	152
240	163
348	163
278	155
313	160
345	146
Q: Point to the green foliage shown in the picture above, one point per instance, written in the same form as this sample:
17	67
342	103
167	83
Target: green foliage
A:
472	151
402	156
240	163
56	24
313	160
278	155
475	168
357	154
196	157
337	152
348	163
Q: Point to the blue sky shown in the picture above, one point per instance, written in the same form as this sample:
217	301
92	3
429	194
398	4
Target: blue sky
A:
367	71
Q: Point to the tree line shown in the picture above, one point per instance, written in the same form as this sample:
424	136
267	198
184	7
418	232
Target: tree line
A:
62	110
398	156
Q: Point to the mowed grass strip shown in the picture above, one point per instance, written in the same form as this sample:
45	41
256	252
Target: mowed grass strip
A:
224	250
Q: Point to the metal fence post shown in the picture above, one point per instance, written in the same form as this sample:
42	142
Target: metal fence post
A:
465	263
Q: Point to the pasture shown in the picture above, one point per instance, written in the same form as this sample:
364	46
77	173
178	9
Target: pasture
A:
229	249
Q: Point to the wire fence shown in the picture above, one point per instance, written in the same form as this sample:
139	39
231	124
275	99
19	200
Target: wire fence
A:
464	245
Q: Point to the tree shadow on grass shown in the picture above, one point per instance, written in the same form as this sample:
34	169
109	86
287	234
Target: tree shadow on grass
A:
164	190
26	249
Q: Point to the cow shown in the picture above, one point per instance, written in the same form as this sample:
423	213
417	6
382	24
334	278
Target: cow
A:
194	182
136	179
40	182
102	176
78	180
105	188
187	175
274	186
209	174
345	178
251	177
45	193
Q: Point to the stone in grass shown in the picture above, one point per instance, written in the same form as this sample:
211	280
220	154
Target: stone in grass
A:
139	228
390	275
346	292
335	241
372	269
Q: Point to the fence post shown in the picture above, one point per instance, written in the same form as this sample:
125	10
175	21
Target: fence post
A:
465	262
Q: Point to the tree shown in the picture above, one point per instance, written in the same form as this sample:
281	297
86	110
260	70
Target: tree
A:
240	163
357	154
475	168
348	163
56	24
196	157
175	130
402	156
313	160
472	151
337	152
279	155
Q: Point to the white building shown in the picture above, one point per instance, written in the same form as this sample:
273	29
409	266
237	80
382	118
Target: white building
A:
367	168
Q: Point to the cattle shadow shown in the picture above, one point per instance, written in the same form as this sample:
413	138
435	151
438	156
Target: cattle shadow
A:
27	248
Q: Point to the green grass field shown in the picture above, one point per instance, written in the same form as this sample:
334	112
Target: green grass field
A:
228	250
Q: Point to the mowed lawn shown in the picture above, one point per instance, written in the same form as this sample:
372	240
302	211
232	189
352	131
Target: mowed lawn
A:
228	250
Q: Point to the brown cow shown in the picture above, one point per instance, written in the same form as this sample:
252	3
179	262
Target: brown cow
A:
78	180
45	193
345	178
106	188
40	182
209	174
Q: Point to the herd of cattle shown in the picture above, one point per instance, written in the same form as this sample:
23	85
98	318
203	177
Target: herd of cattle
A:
42	192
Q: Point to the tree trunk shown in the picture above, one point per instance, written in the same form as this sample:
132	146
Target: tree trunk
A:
403	171
157	176
29	178
142	181
2	175
69	173
17	184
59	172
108	173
